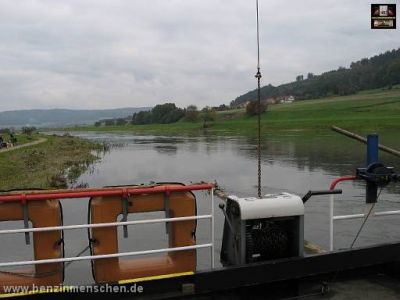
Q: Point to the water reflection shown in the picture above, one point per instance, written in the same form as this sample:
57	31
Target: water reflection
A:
295	162
164	149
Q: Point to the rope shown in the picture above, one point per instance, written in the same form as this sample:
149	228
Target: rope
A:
45	274
79	254
362	226
333	279
258	76
365	220
31	275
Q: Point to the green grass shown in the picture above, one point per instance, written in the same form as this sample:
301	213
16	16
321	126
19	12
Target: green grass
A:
21	138
368	110
52	164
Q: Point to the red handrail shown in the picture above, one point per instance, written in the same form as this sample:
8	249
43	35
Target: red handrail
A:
102	192
340	179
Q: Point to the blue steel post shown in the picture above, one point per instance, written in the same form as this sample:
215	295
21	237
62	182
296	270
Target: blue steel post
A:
372	149
372	157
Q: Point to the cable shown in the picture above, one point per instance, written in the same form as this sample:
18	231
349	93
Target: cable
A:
365	221
258	38
258	76
79	254
333	280
45	274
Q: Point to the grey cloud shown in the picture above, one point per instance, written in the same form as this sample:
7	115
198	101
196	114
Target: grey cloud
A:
101	54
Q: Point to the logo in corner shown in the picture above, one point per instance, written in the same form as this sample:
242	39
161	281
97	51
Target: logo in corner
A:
383	16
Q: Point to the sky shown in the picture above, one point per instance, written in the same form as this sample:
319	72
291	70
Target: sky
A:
95	54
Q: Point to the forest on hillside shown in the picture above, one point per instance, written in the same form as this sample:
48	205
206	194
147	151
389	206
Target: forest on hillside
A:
380	71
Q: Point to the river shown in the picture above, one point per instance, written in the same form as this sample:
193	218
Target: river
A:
292	161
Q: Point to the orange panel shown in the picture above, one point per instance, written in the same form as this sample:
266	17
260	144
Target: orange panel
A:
46	245
105	240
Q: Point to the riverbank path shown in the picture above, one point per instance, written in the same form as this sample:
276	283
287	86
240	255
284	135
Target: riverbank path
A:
39	141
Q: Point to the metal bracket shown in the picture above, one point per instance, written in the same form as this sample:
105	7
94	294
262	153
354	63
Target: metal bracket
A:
376	176
25	214
167	212
125	207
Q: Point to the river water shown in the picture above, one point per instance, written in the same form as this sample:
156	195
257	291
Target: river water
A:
294	162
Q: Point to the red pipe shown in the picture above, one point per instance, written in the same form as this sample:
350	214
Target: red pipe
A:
103	192
340	179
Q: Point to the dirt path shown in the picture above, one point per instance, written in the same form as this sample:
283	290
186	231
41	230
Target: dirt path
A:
39	141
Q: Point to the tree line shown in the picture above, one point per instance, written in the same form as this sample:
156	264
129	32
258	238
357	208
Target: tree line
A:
380	71
167	113
162	114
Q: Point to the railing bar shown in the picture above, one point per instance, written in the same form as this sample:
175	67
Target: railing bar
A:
100	225
103	256
101	192
387	213
347	217
360	216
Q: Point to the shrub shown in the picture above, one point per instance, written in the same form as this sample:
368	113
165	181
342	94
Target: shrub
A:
110	122
121	122
252	108
191	114
28	130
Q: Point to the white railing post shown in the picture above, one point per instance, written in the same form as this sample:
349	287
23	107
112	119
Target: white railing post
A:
212	229
331	212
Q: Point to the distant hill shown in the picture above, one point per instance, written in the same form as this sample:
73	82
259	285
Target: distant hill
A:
62	117
379	71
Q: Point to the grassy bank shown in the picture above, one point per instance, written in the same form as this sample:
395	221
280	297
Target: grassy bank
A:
52	164
21	138
369	110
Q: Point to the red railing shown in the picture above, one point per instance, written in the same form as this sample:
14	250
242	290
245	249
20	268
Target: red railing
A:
101	192
340	179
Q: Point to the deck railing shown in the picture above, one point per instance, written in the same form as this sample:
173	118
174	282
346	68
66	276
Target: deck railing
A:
104	192
333	218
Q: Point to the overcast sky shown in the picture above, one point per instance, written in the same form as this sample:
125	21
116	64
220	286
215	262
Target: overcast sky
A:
118	53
